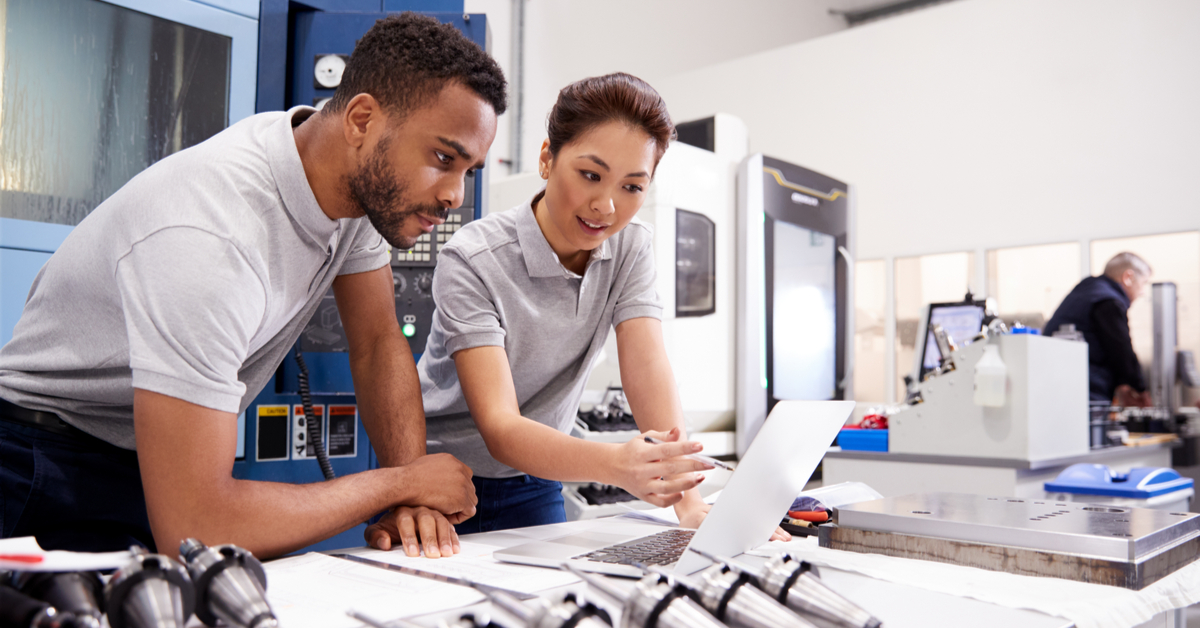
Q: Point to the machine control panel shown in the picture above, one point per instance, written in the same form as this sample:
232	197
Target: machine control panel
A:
412	273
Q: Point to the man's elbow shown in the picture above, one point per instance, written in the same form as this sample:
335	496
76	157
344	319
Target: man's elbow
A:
202	514
385	339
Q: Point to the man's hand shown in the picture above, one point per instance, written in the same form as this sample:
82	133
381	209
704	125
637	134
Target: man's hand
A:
412	527
442	495
1127	397
657	473
442	483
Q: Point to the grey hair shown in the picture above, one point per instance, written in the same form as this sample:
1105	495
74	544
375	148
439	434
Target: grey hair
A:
1124	261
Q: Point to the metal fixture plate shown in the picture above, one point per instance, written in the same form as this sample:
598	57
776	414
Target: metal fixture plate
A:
1129	547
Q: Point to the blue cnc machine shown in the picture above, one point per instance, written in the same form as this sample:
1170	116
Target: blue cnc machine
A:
274	54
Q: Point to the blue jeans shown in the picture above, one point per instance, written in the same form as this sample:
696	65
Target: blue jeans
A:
514	503
70	492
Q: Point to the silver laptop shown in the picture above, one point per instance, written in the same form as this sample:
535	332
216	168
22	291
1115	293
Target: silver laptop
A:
773	472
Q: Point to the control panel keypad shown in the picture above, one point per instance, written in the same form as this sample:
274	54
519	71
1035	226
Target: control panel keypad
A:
412	277
429	245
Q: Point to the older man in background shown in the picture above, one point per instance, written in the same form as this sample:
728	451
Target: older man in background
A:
1098	307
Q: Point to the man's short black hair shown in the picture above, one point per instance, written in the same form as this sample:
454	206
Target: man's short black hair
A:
405	60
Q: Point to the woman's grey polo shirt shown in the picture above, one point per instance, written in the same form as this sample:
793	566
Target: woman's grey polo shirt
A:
498	283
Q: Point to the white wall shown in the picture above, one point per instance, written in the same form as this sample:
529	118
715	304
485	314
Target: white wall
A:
984	123
569	40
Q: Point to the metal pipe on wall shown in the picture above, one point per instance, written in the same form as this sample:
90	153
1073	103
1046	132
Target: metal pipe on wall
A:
517	83
1166	333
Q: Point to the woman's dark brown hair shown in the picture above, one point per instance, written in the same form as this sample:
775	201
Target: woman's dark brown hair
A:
586	104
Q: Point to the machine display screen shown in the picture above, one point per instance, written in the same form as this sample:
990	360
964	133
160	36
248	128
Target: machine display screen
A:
961	322
804	314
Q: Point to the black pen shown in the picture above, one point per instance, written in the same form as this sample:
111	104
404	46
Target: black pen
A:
697	457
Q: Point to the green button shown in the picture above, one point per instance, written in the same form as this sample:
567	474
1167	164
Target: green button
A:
409	330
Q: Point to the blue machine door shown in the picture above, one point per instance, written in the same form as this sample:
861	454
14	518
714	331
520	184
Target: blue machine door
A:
93	92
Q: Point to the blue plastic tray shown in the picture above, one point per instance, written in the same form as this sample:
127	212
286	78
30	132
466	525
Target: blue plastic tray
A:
863	440
1098	479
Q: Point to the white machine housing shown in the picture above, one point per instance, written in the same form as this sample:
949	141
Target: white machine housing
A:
1045	415
752	329
701	348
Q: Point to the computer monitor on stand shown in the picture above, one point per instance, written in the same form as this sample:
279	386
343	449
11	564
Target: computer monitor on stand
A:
961	322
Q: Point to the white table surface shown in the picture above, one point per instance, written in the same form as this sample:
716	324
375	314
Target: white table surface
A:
897	605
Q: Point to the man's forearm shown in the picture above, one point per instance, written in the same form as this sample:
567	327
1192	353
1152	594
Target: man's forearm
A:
389	401
186	454
271	519
385	377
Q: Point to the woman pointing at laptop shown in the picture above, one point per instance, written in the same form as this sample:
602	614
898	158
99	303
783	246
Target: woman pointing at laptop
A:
525	301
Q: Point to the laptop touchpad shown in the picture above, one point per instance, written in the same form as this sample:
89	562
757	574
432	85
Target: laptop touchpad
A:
591	539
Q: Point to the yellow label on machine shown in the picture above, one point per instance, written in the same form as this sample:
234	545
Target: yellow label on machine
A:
271	433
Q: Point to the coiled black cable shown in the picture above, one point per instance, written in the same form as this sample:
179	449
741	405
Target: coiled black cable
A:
313	424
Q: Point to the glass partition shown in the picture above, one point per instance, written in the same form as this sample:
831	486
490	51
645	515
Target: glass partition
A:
919	281
1029	282
870	330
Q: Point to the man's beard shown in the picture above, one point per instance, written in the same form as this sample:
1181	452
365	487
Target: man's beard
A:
381	195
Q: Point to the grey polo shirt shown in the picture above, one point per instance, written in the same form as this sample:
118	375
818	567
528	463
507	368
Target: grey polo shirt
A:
498	283
193	280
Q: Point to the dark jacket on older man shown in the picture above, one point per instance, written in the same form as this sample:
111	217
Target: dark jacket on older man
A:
1098	307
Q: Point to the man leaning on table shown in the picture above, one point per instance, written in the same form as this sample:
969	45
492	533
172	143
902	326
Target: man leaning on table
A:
167	310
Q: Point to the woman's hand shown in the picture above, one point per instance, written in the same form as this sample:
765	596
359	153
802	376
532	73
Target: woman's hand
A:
692	510
780	535
657	473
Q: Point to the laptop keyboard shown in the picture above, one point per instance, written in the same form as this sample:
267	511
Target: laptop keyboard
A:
663	548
